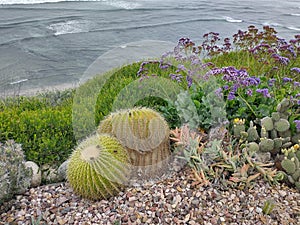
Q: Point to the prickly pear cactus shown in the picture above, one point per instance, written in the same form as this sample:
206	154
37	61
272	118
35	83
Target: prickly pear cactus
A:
145	134
99	167
15	177
275	133
291	165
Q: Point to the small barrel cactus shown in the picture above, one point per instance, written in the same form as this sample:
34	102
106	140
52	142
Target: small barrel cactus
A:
145	134
15	177
99	167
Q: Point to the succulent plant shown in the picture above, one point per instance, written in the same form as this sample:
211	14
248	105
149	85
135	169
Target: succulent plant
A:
267	123
98	167
288	165
275	131
291	165
15	177
145	134
238	127
187	110
282	125
252	133
266	145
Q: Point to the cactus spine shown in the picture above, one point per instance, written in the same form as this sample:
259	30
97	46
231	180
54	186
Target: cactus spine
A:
145	134
98	167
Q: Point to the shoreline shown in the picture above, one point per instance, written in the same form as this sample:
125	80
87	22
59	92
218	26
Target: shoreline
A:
29	92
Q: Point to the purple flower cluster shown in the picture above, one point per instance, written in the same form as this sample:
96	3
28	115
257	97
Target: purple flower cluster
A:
265	92
183	44
297	122
295	69
237	79
271	82
143	71
177	77
282	60
286	79
263	47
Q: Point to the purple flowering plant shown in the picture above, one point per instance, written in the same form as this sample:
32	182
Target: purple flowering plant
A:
254	72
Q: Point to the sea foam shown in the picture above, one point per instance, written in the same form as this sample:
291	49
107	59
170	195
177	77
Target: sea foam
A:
114	3
231	20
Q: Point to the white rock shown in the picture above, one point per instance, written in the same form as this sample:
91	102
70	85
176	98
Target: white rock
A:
36	173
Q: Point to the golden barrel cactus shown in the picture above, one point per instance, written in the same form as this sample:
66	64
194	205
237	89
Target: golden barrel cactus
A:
99	167
145	134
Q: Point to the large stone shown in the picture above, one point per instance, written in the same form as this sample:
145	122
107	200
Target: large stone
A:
62	171
36	173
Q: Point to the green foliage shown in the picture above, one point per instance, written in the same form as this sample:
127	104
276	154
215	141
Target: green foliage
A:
43	127
268	206
118	81
95	98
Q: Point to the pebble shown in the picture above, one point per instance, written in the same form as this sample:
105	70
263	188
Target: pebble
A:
176	199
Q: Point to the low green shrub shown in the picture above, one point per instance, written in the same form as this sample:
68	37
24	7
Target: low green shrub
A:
43	127
95	98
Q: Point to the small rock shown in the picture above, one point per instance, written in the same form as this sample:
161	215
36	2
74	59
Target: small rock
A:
258	210
36	173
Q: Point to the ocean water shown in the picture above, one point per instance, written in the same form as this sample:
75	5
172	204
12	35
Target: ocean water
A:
47	43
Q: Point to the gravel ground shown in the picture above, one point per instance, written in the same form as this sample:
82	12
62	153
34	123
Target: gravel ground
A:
176	199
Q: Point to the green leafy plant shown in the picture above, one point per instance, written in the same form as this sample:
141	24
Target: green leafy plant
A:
41	123
268	206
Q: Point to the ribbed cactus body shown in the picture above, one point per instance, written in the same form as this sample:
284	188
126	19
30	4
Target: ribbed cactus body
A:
145	134
98	167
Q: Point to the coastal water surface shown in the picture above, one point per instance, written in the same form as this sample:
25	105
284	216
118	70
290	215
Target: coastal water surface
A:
45	43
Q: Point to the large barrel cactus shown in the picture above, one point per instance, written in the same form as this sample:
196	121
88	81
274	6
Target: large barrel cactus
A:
15	177
99	167
145	134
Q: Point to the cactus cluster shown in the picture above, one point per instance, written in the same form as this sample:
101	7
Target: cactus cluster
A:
275	131
98	167
15	177
127	143
145	135
291	165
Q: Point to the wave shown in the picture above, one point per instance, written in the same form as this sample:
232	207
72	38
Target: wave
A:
293	28
114	3
76	26
80	26
272	24
231	20
295	14
70	27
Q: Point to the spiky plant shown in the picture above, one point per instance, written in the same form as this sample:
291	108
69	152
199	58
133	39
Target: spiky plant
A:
99	167
145	134
15	178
